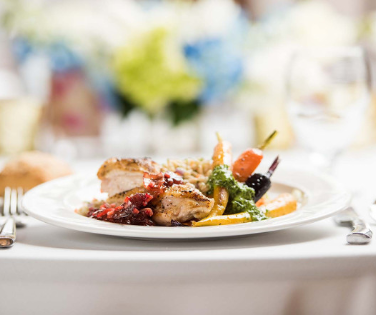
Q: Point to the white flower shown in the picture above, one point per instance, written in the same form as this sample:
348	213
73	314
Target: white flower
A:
208	18
88	25
316	23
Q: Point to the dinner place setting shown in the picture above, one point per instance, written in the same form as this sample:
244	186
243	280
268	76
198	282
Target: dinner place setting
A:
158	155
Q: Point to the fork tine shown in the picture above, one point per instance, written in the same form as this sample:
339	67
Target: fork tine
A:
6	206
19	200
13	202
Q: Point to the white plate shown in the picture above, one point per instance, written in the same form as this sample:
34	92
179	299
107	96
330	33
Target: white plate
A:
54	202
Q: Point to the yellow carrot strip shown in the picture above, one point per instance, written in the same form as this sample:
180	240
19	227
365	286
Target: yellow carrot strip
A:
221	156
220	196
242	217
282	205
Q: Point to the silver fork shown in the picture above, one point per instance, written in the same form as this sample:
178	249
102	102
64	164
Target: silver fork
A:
12	210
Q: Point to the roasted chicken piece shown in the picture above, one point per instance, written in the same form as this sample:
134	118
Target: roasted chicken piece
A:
119	175
181	203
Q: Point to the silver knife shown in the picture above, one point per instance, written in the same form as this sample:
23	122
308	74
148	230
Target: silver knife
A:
361	232
8	233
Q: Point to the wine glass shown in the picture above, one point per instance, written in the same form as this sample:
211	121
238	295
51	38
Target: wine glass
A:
328	92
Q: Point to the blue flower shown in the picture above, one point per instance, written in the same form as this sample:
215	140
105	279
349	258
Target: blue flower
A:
218	63
60	55
22	49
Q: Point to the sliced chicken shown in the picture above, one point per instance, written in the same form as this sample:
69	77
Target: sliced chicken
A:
181	203
119	175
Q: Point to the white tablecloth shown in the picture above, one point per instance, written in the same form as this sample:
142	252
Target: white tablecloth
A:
305	270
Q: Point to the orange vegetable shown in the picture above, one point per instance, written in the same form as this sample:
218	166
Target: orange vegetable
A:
221	156
261	202
249	160
222	153
246	164
283	204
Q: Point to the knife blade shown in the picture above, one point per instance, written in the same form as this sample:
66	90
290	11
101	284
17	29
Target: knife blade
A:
361	232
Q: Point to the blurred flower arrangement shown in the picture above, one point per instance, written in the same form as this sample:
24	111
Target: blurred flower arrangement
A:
174	59
162	57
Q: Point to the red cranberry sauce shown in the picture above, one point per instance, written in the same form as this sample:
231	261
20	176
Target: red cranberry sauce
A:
158	183
132	211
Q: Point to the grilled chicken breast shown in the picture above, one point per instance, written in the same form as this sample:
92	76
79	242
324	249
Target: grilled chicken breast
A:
119	175
181	203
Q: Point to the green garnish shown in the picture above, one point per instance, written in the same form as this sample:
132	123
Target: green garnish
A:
241	197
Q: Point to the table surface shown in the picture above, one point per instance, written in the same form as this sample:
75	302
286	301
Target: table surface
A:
357	170
311	252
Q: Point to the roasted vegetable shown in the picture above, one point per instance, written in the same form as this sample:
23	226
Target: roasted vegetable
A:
242	217
221	156
249	160
283	204
261	182
220	196
222	153
262	201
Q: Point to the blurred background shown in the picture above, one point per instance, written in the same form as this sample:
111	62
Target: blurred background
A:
92	79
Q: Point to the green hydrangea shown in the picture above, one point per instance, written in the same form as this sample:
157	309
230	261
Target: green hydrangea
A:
152	73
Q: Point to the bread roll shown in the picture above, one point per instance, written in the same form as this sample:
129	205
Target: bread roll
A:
30	169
